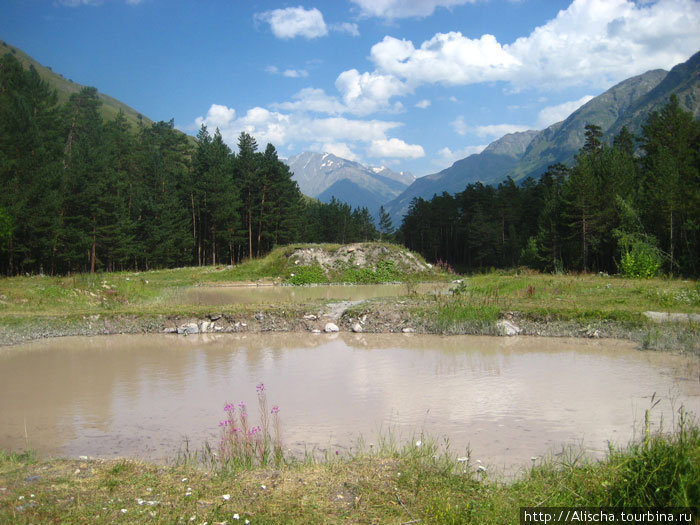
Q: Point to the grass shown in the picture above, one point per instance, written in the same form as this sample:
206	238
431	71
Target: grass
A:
545	304
382	484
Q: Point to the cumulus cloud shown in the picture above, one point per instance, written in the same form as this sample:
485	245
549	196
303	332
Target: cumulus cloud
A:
396	148
281	129
592	42
551	114
339	149
446	157
498	130
365	93
423	104
447	58
404	8
295	21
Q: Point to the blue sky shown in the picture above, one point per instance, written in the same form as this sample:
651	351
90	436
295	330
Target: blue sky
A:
411	84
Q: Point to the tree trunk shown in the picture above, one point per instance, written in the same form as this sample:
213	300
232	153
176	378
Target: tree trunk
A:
94	243
260	225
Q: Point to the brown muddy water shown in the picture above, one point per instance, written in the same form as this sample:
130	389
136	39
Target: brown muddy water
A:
509	399
220	295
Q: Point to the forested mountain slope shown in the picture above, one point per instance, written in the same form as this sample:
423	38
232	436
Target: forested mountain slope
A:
66	87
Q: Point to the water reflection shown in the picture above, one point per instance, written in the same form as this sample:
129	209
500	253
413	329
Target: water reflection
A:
510	399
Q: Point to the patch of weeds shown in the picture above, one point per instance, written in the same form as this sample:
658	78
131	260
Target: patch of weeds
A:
442	509
662	470
307	275
27	456
385	272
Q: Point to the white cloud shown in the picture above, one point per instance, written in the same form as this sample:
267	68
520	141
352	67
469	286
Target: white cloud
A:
592	42
339	149
76	3
447	157
312	99
404	8
551	114
289	73
346	27
395	148
217	117
295	21
295	73
423	104
459	125
281	129
369	92
447	58
498	130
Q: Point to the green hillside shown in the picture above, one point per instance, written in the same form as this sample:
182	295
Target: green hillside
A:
561	141
65	87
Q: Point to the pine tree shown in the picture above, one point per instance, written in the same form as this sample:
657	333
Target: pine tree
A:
386	228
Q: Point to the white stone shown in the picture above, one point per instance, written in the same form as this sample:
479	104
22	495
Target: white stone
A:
407	330
507	328
188	328
357	328
331	327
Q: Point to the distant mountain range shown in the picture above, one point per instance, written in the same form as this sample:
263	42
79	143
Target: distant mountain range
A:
518	155
528	154
324	176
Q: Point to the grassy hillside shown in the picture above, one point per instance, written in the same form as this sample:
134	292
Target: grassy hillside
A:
65	87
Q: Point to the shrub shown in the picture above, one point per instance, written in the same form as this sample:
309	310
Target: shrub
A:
642	261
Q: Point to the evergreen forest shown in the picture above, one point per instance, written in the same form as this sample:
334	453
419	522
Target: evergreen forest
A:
630	207
83	195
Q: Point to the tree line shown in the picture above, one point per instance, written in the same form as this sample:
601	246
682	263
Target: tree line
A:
81	194
632	207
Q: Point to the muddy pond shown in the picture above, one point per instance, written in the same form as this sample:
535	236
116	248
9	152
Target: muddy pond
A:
509	399
236	294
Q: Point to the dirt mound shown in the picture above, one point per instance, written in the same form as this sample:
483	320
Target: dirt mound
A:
358	255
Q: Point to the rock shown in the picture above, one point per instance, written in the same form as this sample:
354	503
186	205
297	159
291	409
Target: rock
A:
315	331
666	317
407	330
357	328
331	327
188	328
205	327
507	328
259	316
169	330
310	317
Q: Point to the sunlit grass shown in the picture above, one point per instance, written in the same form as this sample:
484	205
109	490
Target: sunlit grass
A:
384	482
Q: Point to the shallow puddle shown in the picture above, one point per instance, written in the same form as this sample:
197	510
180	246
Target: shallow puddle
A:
509	399
220	295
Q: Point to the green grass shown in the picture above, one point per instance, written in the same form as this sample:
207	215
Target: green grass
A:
551	304
387	484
